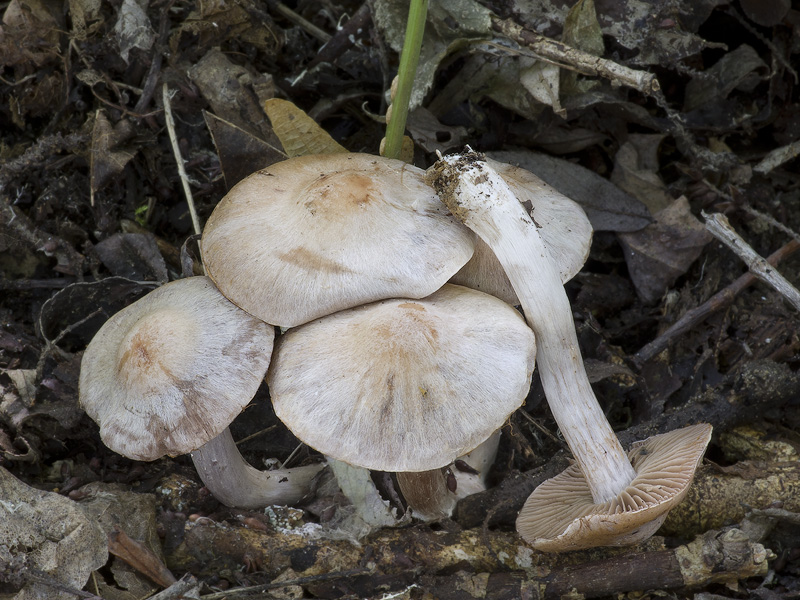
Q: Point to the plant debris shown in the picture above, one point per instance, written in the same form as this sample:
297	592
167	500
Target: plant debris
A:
648	113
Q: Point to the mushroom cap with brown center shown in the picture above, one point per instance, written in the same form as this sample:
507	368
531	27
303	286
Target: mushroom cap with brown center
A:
316	234
170	372
561	515
563	224
404	385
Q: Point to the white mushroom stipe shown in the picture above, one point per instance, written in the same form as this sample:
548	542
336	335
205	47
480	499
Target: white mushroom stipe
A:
482	200
235	483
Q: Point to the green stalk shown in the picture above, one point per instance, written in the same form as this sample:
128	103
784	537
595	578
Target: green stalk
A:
409	58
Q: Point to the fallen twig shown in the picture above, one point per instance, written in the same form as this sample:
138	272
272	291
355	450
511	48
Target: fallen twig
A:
399	557
718	301
571	58
256	589
178	158
186	587
718	225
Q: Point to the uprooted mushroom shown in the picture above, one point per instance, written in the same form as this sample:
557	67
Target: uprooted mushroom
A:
618	486
167	375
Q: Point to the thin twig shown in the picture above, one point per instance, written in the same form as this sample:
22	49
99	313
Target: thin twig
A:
541	428
186	587
255	435
718	225
178	158
158	56
720	300
566	56
777	157
311	29
772	221
291	456
246	591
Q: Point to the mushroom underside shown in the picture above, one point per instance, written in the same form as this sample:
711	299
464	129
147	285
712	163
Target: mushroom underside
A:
560	514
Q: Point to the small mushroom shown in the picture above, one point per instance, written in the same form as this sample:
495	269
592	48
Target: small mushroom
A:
404	385
478	196
167	375
316	234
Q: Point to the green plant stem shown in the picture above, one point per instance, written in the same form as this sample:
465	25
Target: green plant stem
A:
409	58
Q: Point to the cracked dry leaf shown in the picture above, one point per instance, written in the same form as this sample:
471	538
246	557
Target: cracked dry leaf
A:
111	506
581	31
86	18
240	152
740	68
663	251
133	255
47	535
214	22
542	80
108	156
636	171
29	34
299	134
229	89
133	29
432	135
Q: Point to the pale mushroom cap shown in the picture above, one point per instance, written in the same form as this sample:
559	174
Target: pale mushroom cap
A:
560	514
317	234
172	370
563	224
404	385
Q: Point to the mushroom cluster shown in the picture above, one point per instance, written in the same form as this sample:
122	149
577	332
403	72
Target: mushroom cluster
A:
383	362
352	254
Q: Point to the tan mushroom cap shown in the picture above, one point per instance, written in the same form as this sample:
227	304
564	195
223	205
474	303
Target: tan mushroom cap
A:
170	372
563	224
404	385
560	514
316	234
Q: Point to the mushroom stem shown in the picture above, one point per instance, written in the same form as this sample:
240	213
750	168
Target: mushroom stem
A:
481	199
433	495
235	483
427	493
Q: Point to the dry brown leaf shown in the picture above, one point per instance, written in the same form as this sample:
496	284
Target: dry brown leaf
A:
661	252
48	533
229	89
108	158
299	133
133	255
636	171
240	152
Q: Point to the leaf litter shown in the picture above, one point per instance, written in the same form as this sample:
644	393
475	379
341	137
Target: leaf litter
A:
84	155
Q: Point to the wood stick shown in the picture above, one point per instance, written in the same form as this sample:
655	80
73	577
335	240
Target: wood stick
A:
571	58
398	558
719	226
720	300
